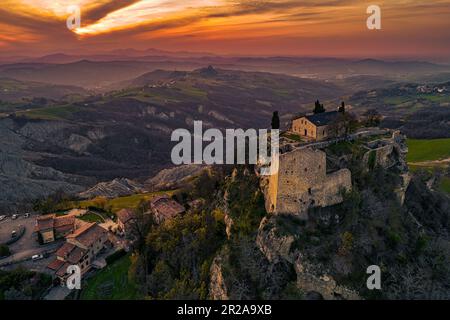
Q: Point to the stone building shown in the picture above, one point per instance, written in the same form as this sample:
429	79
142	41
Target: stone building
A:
50	227
164	208
302	182
317	127
81	249
125	218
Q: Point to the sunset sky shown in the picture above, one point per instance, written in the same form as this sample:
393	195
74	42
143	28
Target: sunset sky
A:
410	28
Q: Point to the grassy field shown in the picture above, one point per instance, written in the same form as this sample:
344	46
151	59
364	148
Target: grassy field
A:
445	185
431	97
111	283
92	217
51	113
428	150
396	100
117	204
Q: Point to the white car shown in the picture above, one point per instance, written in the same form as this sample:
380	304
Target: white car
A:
27	215
37	257
14	216
2	218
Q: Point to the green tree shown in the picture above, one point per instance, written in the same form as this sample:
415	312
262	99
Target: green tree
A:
318	107
4	251
275	121
342	107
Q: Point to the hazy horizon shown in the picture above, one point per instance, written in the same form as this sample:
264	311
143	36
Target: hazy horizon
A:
139	53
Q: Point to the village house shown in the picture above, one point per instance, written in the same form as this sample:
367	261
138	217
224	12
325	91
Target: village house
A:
81	249
317	127
125	218
50	227
164	208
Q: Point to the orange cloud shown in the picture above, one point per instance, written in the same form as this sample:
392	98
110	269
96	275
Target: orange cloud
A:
279	26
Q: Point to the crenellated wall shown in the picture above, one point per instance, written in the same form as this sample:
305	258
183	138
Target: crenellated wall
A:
302	183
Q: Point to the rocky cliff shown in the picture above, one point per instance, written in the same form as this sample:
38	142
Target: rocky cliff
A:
380	221
116	188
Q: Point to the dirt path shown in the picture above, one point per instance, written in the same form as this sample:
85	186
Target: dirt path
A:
434	163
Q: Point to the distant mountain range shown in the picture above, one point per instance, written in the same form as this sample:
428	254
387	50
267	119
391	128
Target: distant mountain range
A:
100	70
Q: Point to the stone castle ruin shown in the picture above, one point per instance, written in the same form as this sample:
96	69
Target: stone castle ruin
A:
303	181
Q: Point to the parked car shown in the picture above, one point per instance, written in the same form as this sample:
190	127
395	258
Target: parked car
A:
37	257
13	234
2	218
14	216
27	215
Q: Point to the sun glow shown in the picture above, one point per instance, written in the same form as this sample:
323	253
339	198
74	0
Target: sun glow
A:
58	7
288	26
143	12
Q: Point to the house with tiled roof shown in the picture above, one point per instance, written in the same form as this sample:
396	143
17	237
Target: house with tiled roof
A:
81	248
316	127
165	208
50	227
125	218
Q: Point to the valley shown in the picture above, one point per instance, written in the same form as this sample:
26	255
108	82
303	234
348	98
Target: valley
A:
84	136
106	148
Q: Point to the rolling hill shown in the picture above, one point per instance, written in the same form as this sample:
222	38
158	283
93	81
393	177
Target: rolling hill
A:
126	133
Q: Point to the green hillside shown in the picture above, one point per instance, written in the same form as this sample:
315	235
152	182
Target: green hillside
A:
428	150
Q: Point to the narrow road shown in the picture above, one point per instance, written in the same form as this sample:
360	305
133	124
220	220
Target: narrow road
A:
27	254
434	163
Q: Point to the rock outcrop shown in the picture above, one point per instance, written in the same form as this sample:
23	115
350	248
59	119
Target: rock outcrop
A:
173	177
272	243
300	199
21	180
113	189
217	287
309	279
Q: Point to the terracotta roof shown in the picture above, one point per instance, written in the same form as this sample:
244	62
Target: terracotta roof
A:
125	215
65	250
165	208
64	229
51	221
75	255
88	234
55	265
45	222
63	270
64	221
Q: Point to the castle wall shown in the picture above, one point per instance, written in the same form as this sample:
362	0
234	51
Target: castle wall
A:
302	183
